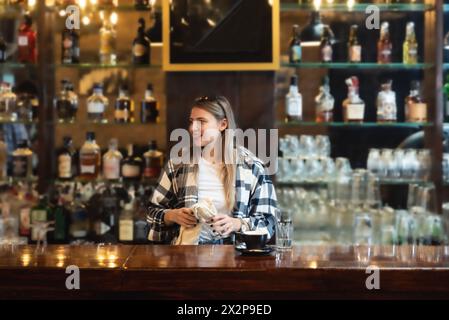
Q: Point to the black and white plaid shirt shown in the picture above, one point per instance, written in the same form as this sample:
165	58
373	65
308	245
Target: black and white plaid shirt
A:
177	188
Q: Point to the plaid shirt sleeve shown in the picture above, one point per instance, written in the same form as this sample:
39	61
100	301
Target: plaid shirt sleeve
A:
262	202
161	201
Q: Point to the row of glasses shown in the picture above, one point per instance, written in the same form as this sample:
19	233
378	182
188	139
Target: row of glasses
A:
305	169
400	164
293	146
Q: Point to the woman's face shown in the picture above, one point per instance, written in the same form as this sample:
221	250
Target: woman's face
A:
204	128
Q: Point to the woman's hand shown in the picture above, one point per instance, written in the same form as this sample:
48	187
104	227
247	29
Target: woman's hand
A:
225	225
183	216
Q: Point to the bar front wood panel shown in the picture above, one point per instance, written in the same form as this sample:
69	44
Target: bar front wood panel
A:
218	272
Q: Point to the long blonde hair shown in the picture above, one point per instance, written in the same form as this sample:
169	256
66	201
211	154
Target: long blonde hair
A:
220	108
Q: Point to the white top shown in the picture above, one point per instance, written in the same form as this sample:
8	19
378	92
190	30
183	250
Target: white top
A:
210	186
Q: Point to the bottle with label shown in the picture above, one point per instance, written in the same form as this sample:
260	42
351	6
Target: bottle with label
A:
22	166
3	48
410	46
354	47
96	105
66	103
326	48
295	50
27	41
8	103
153	162
293	101
126	224
3	157
141	46
70	49
324	103
67	160
27	106
90	158
386	103
149	112
384	45
353	105
131	166
112	161
38	215
415	108
108	43
124	107
79	219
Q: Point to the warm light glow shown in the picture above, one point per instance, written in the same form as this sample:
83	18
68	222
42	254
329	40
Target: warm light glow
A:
82	4
152	3
62	13
317	4
313	265
31	3
270	2
93	2
25	259
85	20
112	257
211	22
350	4
49	3
114	18
310	44
330	1
101	15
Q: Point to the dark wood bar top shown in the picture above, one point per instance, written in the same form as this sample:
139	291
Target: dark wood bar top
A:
220	272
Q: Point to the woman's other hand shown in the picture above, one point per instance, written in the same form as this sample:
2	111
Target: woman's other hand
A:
183	216
225	225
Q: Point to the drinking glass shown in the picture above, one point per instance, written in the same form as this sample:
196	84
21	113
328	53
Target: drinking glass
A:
363	230
284	229
323	145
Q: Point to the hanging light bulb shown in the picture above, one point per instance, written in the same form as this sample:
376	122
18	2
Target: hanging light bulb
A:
113	18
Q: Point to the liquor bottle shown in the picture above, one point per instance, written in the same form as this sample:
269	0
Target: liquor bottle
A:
295	50
3	48
61	216
353	105
410	46
66	103
141	4
108	40
386	103
131	166
112	161
27	106
8	103
326	48
3	157
90	158
126	223
124	107
324	103
140	222
27	41
97	104
22	161
384	46
106	224
446	94
141	52
79	219
293	101
38	214
354	48
153	162
149	112
25	204
70	49
67	160
415	108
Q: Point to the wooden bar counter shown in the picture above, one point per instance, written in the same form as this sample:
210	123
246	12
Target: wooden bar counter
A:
219	272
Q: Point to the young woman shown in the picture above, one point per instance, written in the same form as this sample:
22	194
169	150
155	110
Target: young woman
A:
233	179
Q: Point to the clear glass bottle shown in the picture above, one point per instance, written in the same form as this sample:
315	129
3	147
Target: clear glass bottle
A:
131	166
326	48
3	157
324	103
415	108
353	105
295	50
108	43
410	46
96	105
27	105
149	112
384	45
126	223
90	158
66	160
8	103
70	49
112	161
293	101
354	47
38	214
153	162
79	219
66	103
386	103
22	166
124	107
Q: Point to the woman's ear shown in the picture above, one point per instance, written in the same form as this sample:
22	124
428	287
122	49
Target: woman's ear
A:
223	124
